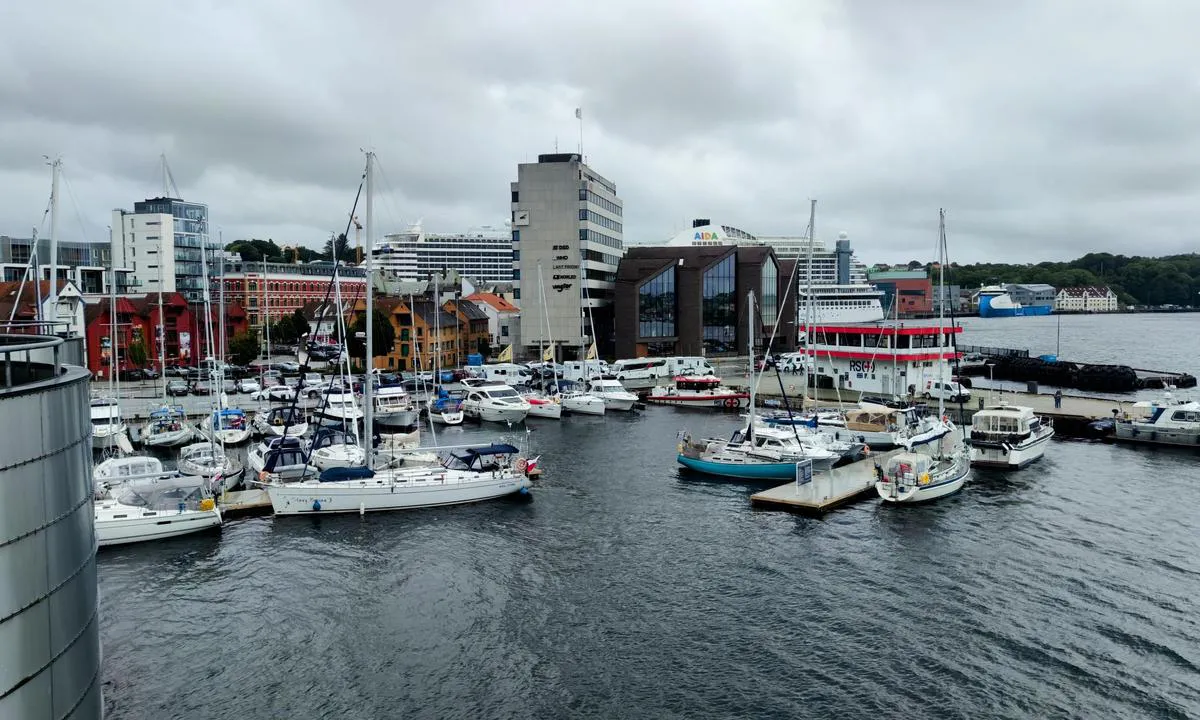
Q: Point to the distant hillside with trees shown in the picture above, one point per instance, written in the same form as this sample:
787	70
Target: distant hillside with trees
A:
1169	280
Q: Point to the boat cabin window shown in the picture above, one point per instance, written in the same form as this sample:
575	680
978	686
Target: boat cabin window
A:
1186	416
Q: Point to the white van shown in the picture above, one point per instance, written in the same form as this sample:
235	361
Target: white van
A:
584	370
640	369
508	373
689	365
948	390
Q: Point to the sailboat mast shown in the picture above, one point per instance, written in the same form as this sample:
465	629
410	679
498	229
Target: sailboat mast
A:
549	332
810	356
941	308
161	335
221	292
750	348
368	408
55	173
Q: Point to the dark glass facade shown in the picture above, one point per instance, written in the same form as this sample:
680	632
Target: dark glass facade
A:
656	306
720	314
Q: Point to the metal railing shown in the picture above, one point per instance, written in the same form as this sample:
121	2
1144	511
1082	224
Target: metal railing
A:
22	371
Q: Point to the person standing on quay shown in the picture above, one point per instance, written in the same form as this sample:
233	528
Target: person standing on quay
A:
1057	399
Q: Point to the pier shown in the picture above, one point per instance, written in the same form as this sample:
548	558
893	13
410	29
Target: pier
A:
827	490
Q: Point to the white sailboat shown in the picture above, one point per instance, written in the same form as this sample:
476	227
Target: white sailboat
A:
168	425
541	403
469	476
109	431
913	476
154	508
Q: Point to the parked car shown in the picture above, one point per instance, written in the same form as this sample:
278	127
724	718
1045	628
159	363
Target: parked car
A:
229	386
176	371
277	393
196	374
202	387
149	373
950	391
248	385
177	387
272	377
288	366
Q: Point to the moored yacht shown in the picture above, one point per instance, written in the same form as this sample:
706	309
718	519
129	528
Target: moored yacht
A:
107	426
699	392
338	408
494	402
210	462
445	408
280	421
463	476
1167	422
168	427
1008	436
228	426
333	448
613	393
543	405
154	508
280	459
395	411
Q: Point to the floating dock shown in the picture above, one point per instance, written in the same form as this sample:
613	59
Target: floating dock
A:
827	490
245	502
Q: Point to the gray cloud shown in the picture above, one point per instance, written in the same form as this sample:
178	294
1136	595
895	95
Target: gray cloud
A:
1046	129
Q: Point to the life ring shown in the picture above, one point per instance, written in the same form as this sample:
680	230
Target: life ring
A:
521	464
731	403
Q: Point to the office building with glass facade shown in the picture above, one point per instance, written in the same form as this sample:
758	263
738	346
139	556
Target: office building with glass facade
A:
692	301
161	242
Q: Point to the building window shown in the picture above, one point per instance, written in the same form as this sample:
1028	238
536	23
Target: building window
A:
515	196
770	292
516	236
656	305
719	311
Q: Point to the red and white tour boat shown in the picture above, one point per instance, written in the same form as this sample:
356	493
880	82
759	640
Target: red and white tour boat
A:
699	391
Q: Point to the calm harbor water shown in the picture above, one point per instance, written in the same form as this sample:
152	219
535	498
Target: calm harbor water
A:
627	588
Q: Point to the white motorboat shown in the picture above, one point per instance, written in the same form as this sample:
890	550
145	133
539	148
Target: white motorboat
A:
1008	436
280	459
167	428
1169	422
154	508
912	477
107	426
228	426
464	476
339	408
879	426
582	403
494	403
280	421
543	406
613	393
333	448
395	411
210	462
699	391
445	408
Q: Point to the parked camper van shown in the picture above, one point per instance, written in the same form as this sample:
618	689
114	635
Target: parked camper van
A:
584	370
508	373
689	365
640	369
948	390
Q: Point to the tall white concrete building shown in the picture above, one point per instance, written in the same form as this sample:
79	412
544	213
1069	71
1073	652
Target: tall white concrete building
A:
484	254
567	220
162	238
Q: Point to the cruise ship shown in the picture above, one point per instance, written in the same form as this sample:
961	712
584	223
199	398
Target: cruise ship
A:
839	289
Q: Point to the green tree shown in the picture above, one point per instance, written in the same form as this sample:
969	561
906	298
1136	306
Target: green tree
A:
384	340
283	331
137	355
243	347
300	323
341	244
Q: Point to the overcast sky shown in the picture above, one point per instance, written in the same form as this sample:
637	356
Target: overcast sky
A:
1046	130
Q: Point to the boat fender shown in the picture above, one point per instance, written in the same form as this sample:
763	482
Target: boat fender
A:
207	504
316	505
924	478
521	464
